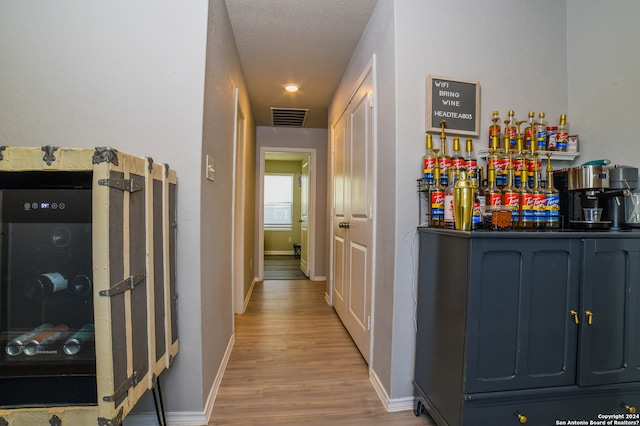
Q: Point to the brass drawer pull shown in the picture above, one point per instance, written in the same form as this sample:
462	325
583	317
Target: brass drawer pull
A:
521	417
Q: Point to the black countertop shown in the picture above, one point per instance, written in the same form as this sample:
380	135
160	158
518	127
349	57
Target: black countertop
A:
534	234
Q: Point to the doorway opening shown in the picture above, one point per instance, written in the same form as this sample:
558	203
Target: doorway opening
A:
286	225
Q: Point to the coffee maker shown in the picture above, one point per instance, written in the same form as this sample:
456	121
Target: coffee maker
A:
594	196
623	180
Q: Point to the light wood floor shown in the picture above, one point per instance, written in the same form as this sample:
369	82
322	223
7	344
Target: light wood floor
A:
294	363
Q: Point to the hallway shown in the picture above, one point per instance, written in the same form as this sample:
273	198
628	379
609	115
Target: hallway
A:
294	363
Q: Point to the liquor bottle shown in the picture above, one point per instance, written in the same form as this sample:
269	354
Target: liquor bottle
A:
463	201
493	193
495	159
511	129
526	202
519	161
495	129
563	134
539	200
541	132
552	200
479	200
449	208
529	131
511	196
470	161
481	190
437	200
444	160
457	160
502	171
533	163
44	285
428	162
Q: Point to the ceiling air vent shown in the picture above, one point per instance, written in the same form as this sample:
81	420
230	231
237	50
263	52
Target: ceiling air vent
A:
290	117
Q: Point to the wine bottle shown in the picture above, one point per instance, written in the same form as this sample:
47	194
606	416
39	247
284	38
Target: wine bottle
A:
44	285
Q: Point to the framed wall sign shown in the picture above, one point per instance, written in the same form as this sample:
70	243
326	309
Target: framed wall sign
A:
456	101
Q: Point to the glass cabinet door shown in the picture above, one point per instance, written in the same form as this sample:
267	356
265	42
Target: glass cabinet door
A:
46	300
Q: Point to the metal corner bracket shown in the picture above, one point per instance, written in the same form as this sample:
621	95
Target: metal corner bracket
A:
105	154
49	156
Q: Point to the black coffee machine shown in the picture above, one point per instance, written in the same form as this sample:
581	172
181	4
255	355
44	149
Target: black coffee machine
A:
593	196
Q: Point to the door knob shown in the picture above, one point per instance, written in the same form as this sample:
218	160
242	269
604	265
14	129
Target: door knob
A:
346	225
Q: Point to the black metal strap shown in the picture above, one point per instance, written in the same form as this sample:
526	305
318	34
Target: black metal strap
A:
124	285
133	380
128	185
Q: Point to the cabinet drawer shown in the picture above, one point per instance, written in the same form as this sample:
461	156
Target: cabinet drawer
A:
553	409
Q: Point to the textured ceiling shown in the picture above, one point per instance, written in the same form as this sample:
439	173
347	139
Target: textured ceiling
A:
308	42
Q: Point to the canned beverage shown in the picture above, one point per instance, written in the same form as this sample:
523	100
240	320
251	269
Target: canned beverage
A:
44	338
15	346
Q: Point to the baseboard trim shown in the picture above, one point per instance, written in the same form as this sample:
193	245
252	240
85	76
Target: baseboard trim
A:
182	418
246	299
279	253
188	418
391	405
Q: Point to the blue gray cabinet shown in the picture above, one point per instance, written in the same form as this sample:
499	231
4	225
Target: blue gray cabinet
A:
528	327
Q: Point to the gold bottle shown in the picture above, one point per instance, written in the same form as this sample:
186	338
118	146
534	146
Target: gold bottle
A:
511	196
444	159
526	202
429	160
463	197
539	199
437	199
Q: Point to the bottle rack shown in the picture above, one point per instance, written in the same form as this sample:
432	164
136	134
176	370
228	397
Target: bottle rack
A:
555	155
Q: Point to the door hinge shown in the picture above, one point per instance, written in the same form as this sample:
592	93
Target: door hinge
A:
370	211
369	322
370	100
124	184
124	285
133	380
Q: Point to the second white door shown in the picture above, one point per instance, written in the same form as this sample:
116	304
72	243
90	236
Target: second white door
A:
353	206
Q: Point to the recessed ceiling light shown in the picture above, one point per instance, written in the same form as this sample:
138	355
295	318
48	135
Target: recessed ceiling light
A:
291	87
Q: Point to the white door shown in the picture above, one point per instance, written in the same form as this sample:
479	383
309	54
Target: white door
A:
353	216
304	218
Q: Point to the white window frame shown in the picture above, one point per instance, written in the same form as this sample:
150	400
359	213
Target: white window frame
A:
285	207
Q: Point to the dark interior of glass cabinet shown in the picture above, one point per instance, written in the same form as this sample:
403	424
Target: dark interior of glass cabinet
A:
47	341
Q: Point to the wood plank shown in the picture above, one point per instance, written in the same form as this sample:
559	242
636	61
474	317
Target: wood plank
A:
294	363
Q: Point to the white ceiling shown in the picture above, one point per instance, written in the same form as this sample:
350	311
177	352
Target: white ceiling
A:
308	42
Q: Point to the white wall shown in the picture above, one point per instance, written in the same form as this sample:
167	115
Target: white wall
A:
603	68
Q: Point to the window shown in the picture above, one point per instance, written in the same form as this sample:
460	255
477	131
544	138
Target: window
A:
278	201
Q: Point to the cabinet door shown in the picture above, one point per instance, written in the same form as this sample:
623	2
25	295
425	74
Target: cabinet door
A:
521	331
610	341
